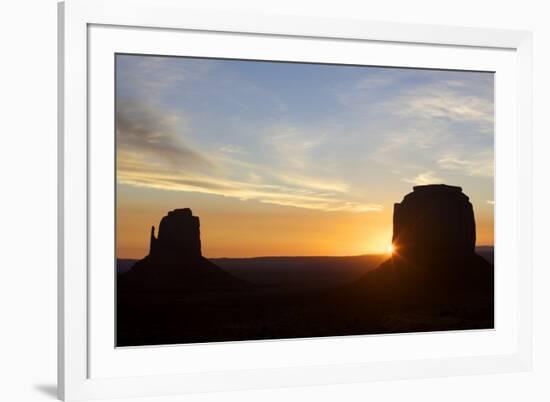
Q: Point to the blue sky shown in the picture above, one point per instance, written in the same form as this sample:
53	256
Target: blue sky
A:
309	136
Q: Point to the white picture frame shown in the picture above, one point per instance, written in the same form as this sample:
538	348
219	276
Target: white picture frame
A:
77	328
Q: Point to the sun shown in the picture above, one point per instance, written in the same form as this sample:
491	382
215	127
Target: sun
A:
390	249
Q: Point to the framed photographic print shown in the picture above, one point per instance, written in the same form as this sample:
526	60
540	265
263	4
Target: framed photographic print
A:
256	201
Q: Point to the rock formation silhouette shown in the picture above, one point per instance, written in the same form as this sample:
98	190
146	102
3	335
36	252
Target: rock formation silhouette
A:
434	259
175	262
178	237
434	221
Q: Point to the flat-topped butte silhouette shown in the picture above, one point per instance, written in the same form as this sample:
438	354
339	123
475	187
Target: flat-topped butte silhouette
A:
175	261
433	249
434	221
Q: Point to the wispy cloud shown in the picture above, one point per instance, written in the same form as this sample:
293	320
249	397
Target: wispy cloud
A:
313	183
424	178
158	178
439	103
291	145
411	138
477	165
436	126
155	136
152	153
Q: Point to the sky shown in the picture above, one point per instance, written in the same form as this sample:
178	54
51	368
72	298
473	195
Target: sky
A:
290	159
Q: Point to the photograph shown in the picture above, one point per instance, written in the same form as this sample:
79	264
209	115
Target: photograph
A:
264	200
275	201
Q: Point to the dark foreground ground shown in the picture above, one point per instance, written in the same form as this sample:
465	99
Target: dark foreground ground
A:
300	297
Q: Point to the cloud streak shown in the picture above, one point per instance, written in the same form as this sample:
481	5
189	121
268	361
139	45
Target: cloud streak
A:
437	127
148	176
439	103
152	153
424	178
148	133
477	165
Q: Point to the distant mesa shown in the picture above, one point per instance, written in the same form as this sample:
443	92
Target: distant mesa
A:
175	261
434	221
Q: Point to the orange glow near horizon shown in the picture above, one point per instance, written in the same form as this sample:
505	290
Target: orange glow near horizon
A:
269	231
236	228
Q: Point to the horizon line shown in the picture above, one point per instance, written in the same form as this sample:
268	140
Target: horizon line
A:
295	256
